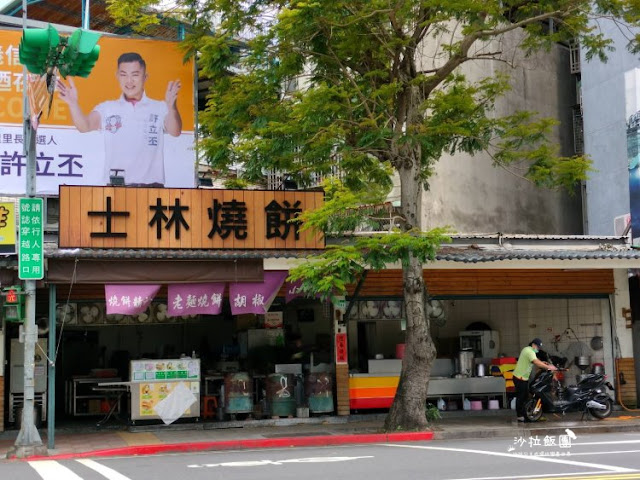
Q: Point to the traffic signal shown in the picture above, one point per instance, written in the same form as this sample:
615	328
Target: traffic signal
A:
13	305
80	54
38	49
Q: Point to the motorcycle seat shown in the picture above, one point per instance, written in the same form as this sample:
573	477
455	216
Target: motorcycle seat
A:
572	389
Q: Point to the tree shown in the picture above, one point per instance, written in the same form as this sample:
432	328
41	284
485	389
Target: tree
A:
311	86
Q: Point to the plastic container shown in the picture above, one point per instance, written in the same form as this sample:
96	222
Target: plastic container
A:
441	404
466	404
400	351
493	405
513	403
476	405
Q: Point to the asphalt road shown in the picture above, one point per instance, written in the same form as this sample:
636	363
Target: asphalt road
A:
593	457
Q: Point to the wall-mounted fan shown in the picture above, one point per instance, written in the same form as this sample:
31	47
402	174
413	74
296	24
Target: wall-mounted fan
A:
67	313
91	314
369	309
144	317
161	313
437	313
392	309
116	318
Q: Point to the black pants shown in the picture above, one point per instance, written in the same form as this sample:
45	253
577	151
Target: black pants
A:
522	395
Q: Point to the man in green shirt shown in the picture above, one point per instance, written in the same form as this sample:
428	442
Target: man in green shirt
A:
527	359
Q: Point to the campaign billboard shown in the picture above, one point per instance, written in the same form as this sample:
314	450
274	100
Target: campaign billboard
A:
132	118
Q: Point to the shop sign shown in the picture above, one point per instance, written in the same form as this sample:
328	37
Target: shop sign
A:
129	299
341	348
118	217
256	297
195	298
273	319
164	369
30	257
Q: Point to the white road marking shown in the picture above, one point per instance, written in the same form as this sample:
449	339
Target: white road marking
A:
107	472
260	463
52	470
523	457
604	452
531	477
613	442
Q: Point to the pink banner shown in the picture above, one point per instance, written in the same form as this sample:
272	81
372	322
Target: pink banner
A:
129	299
195	298
292	291
256	297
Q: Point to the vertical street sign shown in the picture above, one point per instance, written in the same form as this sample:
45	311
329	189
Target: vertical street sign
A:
31	237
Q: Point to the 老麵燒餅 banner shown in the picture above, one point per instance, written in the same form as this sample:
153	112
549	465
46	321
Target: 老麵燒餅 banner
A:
132	118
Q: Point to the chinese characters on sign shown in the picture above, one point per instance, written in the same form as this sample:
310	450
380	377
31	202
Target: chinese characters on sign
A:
185	218
341	348
195	298
256	297
129	299
546	446
31	237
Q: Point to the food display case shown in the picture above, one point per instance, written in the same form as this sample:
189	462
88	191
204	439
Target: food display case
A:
152	381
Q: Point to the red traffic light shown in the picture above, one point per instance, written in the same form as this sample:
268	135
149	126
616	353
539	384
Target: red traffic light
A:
12	297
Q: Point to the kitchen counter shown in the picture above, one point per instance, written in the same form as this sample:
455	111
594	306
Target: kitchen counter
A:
368	390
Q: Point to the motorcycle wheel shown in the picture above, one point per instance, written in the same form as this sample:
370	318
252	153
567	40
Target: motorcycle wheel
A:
600	414
530	415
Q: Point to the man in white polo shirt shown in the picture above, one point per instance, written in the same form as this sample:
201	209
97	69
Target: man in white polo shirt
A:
132	126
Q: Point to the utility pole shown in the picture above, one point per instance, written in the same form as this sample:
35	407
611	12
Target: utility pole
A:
28	442
44	53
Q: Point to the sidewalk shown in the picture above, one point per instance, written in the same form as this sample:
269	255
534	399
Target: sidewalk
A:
114	440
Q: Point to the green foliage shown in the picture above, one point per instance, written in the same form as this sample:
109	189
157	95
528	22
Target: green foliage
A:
330	272
236	183
432	413
362	98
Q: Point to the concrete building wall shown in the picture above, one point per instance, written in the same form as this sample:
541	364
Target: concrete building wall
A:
469	194
604	112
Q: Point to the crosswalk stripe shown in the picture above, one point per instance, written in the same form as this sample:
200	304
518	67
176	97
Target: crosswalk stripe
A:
107	472
52	470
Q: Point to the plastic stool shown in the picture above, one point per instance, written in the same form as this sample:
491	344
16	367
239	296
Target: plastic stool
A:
209	406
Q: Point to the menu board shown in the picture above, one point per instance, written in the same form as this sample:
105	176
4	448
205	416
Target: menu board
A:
153	393
154	380
169	369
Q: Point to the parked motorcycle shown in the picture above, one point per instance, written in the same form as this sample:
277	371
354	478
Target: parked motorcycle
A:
548	395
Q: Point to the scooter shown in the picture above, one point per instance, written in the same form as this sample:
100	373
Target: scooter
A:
548	395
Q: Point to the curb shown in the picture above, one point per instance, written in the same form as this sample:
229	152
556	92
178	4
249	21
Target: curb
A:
315	441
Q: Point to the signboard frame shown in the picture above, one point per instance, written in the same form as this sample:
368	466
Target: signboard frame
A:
31	238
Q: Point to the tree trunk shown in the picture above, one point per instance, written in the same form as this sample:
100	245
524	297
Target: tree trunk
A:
408	409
